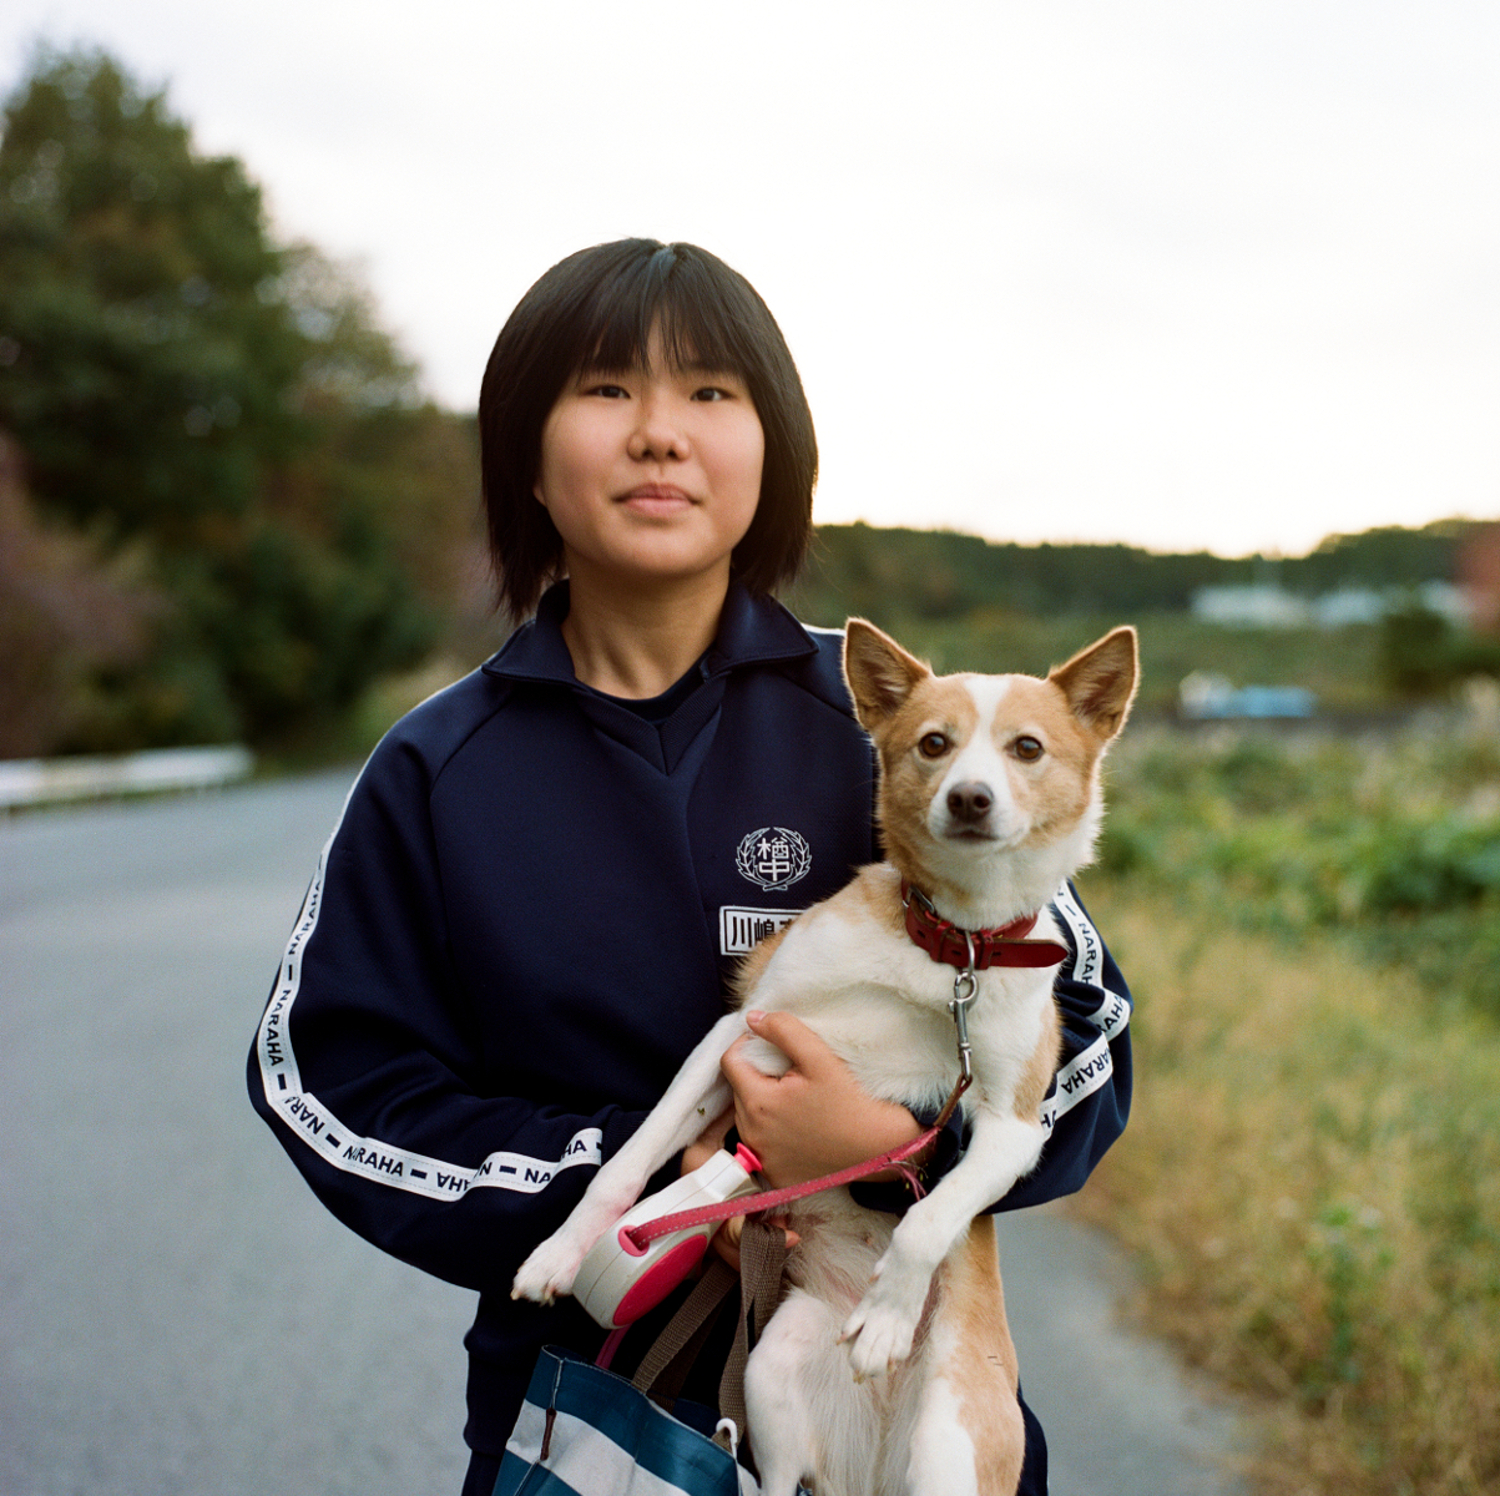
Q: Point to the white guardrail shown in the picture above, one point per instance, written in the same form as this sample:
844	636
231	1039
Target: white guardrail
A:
37	781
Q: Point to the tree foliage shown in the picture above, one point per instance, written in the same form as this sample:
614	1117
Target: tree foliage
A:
66	616
187	389
1422	653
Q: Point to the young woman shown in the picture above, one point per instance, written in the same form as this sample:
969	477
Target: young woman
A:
544	875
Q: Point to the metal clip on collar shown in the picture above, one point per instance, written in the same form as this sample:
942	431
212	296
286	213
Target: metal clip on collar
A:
965	988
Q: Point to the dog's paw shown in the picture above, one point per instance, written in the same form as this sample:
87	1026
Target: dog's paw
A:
883	1326
878	1336
549	1272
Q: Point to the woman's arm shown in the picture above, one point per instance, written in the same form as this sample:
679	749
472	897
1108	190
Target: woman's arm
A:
369	1067
1090	1098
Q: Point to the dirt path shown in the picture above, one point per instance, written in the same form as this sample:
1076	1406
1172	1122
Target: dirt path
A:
1123	1418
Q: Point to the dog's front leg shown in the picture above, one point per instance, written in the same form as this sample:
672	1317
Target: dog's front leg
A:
696	1096
880	1331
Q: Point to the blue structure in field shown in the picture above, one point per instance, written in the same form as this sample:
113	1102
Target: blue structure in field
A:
1205	696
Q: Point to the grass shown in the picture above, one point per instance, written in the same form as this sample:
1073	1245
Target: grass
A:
1311	1177
1311	1181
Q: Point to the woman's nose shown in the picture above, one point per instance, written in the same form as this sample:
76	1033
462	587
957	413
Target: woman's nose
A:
658	432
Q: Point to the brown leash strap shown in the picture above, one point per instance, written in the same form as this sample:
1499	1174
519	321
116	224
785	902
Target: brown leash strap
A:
762	1257
684	1334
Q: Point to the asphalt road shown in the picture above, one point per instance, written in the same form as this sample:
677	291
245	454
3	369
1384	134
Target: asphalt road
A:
177	1313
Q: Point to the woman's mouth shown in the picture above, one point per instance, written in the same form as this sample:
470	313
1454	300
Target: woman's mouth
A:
657	498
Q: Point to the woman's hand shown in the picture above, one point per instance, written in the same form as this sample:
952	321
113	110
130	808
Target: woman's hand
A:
815	1119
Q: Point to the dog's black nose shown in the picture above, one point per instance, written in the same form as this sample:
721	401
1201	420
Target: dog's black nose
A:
970	802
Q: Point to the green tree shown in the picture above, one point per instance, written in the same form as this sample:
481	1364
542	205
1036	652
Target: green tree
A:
1387	557
148	353
181	384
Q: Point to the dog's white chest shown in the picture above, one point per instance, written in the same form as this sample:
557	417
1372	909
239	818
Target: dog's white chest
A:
886	1008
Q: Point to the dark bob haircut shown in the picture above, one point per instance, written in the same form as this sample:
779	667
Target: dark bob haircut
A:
597	309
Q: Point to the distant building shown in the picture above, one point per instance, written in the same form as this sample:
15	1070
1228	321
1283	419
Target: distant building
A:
1264	607
1271	607
1336	610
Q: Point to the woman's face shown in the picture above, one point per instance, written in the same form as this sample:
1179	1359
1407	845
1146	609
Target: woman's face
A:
651	474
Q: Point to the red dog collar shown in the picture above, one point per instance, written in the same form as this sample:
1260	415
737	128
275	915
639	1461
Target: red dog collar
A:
944	941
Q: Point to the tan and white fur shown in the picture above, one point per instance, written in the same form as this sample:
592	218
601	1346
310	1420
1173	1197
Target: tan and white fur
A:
889	1367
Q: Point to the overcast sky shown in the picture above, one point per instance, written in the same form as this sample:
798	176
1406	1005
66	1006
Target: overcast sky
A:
1177	272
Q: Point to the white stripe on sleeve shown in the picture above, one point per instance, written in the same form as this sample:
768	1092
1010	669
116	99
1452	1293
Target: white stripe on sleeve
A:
372	1159
1091	1069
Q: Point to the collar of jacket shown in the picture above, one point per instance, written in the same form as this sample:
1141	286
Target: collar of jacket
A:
752	630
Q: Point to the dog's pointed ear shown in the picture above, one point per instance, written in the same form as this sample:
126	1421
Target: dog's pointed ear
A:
880	673
1100	681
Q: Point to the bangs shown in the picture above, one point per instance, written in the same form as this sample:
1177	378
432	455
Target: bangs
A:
701	310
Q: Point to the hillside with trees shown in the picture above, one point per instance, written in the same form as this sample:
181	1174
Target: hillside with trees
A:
942	574
966	603
226	508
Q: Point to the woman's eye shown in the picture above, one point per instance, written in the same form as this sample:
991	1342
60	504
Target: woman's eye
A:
710	392
1028	750
609	391
932	745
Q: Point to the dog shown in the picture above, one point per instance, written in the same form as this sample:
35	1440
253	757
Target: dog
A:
889	1366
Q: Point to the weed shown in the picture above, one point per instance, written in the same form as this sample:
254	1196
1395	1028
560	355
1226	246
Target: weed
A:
1311	1179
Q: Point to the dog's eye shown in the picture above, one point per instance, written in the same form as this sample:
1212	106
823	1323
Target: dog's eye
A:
932	745
1027	749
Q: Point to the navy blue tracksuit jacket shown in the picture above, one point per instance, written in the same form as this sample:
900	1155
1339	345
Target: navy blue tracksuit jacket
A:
523	923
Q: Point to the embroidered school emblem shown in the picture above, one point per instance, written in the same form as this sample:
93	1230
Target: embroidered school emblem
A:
774	857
